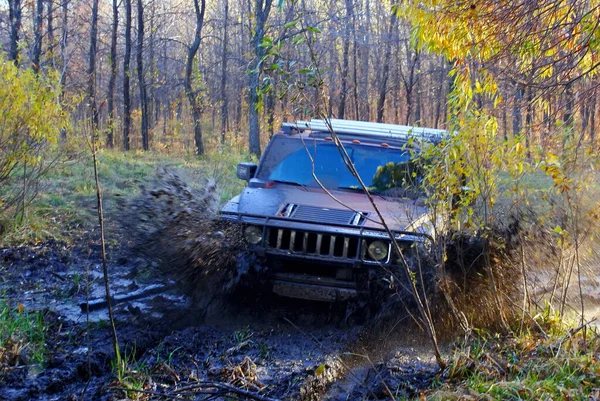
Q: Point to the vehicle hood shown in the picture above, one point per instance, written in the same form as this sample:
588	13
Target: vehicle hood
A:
316	206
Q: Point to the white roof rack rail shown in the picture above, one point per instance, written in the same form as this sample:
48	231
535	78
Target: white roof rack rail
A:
362	128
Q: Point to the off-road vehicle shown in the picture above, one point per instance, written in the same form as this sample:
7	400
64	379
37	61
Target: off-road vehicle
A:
308	219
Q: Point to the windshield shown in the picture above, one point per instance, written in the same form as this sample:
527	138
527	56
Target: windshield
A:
382	169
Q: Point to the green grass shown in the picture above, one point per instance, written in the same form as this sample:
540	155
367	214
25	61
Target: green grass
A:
66	202
529	366
22	335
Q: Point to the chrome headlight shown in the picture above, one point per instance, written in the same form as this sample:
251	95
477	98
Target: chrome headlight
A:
253	234
378	250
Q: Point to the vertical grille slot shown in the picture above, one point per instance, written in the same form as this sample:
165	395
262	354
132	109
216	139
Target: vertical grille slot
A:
338	248
311	245
353	247
286	237
325	245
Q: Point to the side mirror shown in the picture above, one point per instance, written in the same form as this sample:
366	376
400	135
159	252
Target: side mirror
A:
245	171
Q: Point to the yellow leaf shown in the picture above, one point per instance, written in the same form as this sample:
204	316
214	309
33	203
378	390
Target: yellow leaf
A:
21	307
320	370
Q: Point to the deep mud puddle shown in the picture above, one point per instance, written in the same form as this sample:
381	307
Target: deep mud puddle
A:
277	348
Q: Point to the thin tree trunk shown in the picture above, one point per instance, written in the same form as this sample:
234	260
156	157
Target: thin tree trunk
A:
417	90
387	58
110	138
593	117
261	12
140	73
37	39
224	104
191	95
441	98
63	55
345	62
355	67
126	91
529	121
504	122
91	72
365	109
50	30
517	111
153	103
14	15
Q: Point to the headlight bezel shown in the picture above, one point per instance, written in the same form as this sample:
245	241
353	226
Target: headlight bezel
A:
253	235
384	248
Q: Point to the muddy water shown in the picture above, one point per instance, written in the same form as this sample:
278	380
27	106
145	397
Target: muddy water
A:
283	348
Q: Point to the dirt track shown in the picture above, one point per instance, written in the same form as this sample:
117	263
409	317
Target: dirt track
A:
277	348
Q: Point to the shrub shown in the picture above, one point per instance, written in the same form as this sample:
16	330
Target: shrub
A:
32	119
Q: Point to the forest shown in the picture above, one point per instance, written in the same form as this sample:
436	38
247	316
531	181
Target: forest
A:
122	126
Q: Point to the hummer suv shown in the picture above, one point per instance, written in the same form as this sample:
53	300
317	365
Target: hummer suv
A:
308	219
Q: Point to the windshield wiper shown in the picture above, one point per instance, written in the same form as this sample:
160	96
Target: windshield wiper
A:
297	184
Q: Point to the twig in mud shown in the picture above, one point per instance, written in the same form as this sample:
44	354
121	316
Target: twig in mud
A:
227	388
154	393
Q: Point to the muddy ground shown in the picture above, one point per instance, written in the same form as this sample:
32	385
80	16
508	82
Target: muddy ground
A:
267	345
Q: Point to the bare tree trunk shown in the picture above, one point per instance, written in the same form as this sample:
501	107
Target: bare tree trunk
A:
504	122
191	95
153	103
50	30
14	15
593	106
270	110
529	121
126	91
91	72
140	73
441	98
261	12
110	138
387	58
365	53
224	104
417	90
63	55
345	62
354	66
517	111
37	35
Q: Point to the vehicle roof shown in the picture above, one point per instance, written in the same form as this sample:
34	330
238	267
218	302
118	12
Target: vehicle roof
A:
365	132
345	139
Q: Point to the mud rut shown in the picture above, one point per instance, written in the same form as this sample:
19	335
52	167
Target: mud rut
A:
275	347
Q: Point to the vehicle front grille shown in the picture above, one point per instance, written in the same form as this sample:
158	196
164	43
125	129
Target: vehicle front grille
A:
313	244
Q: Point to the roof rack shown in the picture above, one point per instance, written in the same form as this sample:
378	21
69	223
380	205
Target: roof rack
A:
366	129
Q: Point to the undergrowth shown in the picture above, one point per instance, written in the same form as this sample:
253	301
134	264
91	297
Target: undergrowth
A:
547	362
22	337
66	205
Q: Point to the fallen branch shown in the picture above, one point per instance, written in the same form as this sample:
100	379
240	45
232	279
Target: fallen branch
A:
114	300
227	387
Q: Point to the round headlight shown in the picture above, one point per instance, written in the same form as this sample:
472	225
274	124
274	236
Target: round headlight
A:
253	234
378	250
